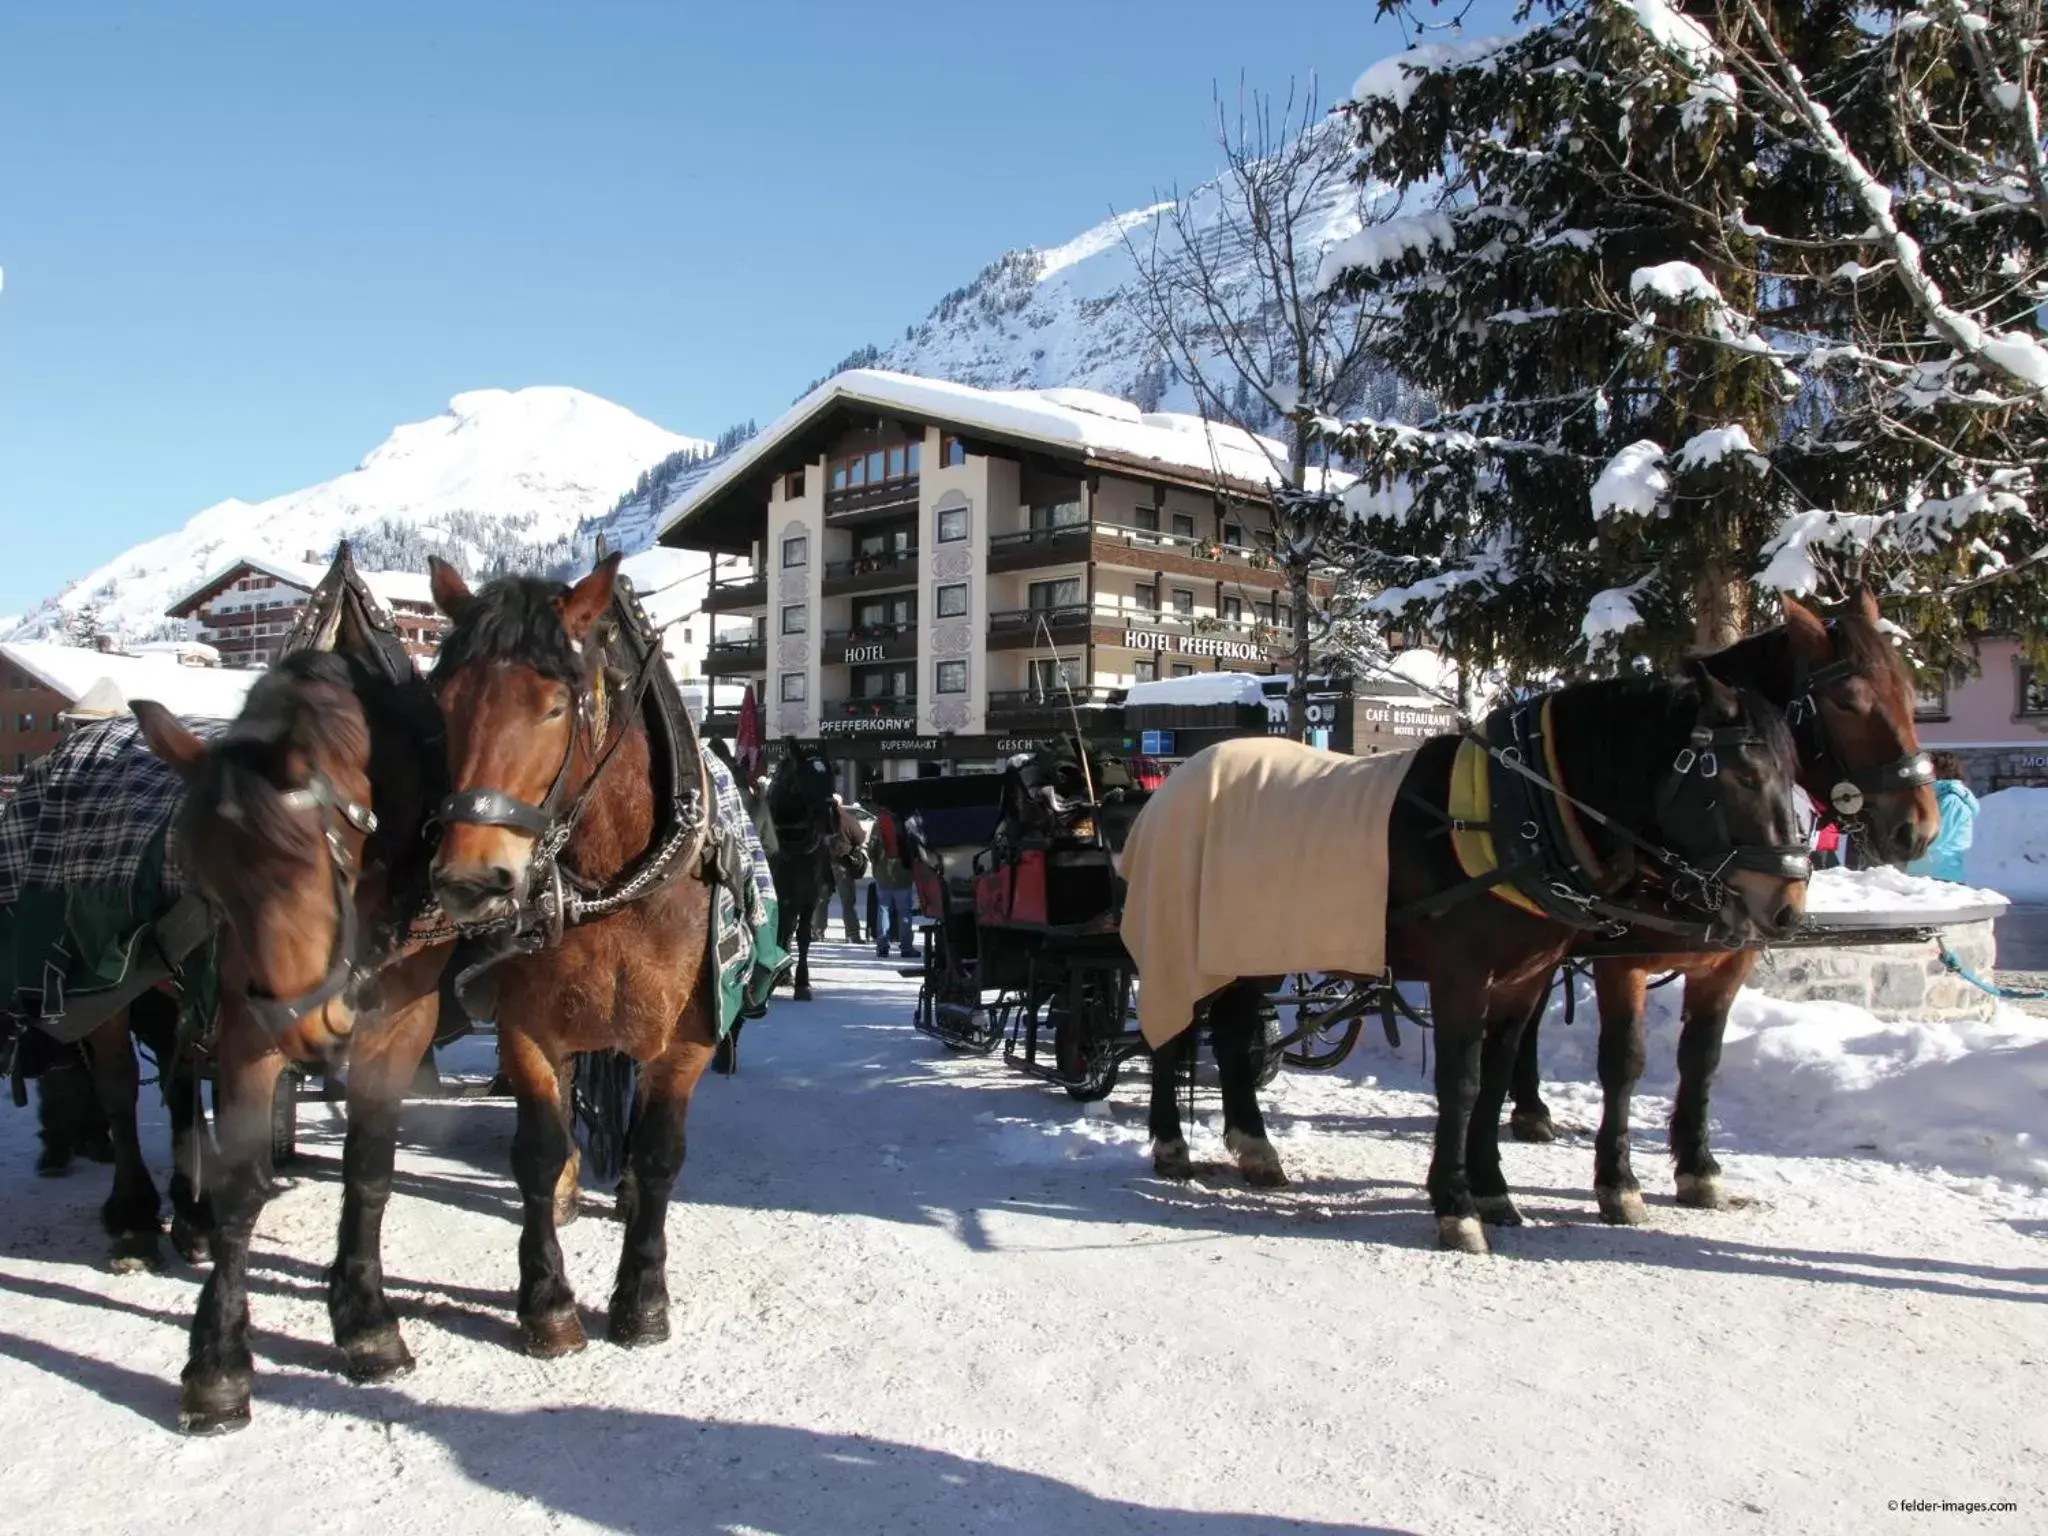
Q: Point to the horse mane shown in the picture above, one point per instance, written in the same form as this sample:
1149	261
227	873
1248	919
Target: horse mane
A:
1766	659
514	618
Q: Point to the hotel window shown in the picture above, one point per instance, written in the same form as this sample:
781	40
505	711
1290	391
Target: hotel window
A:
838	481
793	485
1044	596
952	525
793	687
950	677
1183	525
1263	612
1183	669
796	551
1052	678
2033	693
24	722
1057	514
878	611
796	619
856	472
1145	598
896	470
1183	602
1146	519
952	452
1233	610
1283	616
1233	535
1931	703
876	459
913	453
1145	671
953	601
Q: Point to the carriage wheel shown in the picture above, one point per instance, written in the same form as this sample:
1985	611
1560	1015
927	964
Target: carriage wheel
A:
1097	1078
1327	1034
284	1119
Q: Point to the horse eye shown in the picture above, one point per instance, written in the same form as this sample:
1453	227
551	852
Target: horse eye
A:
557	712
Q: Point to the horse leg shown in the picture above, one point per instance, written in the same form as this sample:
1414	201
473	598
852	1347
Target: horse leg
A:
654	1151
68	1117
1170	1063
1238	1042
129	1216
219	1373
548	1322
1620	985
1459	1003
1512	1015
1531	1118
569	1186
802	990
153	1019
382	1062
1708	997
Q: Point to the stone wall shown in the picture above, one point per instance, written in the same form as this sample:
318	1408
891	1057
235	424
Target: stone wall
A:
1894	981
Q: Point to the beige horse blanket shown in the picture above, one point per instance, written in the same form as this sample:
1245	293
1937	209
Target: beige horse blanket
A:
1258	857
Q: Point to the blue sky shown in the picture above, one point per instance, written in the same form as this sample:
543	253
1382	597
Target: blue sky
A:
243	241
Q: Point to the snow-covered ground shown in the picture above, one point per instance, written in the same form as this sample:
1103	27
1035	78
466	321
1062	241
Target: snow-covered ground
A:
2009	847
915	1292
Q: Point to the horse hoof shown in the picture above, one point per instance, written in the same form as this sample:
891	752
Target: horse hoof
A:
53	1165
1256	1160
1532	1125
216	1409
802	994
1461	1234
552	1336
1702	1191
1622	1207
1498	1210
638	1327
375	1357
1170	1160
1261	1175
135	1252
194	1244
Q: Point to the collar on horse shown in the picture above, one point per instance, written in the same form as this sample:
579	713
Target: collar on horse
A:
1847	792
1553	869
559	898
274	1015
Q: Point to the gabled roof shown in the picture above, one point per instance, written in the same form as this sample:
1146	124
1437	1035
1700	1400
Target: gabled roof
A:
408	587
1099	430
73	672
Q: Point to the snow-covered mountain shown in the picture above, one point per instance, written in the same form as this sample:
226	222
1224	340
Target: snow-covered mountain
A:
502	477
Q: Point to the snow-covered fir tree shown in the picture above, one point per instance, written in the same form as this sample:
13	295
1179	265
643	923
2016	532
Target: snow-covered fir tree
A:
1711	301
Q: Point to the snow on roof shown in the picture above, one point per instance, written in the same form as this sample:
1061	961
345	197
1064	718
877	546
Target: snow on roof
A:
1077	419
211	693
1202	688
190	652
413	587
297	573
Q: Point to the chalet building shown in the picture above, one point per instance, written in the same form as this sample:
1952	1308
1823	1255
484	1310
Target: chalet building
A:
246	608
1996	720
916	571
48	689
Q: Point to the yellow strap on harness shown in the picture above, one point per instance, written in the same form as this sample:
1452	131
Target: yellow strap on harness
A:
1471	801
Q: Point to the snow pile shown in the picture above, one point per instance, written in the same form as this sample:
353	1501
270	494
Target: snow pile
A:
1838	896
1676	282
1676	33
194	692
1790	566
1610	614
1704	450
1633	484
2009	852
1395	79
542	459
1386	244
1203	688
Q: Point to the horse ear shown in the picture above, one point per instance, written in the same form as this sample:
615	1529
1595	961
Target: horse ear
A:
1866	604
181	751
584	604
451	593
1809	634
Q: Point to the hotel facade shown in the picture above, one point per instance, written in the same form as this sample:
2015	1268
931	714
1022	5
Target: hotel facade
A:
914	572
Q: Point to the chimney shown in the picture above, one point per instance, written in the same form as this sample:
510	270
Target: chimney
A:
312	557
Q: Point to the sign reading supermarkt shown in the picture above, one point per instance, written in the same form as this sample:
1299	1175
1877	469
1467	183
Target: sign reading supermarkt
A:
1191	645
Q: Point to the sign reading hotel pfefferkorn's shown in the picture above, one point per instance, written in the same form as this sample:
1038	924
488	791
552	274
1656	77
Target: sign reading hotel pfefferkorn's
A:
1191	645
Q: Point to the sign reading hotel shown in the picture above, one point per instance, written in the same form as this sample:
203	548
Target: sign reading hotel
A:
1192	645
869	651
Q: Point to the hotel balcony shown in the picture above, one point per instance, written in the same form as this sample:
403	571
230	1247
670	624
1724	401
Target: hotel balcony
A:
859	504
870	573
731	658
869	642
740	593
850	713
1064	545
1017	709
1177	554
1017	628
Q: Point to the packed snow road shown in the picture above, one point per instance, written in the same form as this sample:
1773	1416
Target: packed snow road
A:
917	1293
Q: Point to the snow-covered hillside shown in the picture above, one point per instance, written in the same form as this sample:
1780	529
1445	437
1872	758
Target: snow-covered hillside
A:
500	476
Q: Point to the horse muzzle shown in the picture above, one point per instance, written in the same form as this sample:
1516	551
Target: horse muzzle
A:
476	893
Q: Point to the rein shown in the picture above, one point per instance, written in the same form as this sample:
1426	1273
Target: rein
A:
1848	792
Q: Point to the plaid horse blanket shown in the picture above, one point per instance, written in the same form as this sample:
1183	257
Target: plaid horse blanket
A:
88	867
748	958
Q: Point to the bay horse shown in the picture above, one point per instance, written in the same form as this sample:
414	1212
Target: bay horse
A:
801	810
1674	783
1849	698
545	761
302	826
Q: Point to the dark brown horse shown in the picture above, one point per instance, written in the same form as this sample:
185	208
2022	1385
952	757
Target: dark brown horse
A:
1849	699
1674	784
302	826
547	754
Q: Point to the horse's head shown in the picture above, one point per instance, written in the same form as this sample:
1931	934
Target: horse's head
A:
1724	804
800	798
1852	709
518	679
272	828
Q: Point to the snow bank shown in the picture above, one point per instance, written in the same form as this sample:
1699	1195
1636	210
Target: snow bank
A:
2009	853
1202	688
1835	896
1634	483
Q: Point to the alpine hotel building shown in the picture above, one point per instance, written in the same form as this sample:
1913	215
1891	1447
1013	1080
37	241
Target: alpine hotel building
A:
924	572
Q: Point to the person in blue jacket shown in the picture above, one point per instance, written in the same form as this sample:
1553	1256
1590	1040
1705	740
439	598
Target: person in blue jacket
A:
1944	857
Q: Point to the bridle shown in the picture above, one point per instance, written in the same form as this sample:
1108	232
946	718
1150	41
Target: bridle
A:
1690	778
273	1014
1848	791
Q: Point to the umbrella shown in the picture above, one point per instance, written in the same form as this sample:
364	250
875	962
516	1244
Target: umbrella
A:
746	744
